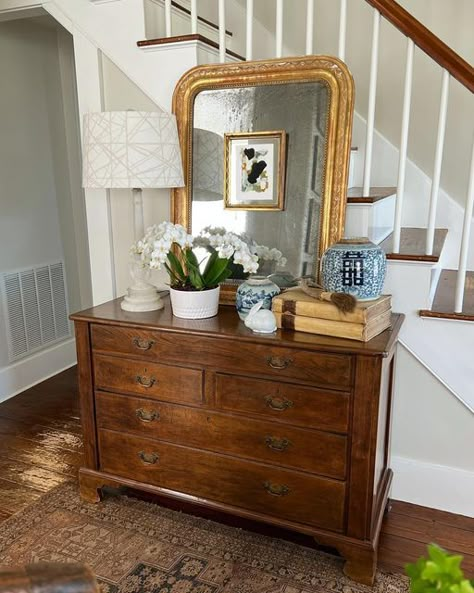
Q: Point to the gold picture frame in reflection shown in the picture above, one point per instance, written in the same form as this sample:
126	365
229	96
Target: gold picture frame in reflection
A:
254	170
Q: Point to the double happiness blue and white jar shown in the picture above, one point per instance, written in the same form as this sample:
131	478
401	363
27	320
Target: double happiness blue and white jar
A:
354	266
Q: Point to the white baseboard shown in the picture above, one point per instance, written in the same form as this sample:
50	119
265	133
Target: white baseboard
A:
25	373
437	486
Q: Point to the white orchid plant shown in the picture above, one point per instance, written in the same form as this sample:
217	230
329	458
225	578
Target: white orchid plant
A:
215	235
171	246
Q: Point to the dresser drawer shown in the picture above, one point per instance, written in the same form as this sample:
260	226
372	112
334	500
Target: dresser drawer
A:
308	450
264	489
332	370
147	344
149	379
285	402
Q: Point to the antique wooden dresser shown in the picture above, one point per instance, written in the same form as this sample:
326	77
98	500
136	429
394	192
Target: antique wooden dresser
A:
291	429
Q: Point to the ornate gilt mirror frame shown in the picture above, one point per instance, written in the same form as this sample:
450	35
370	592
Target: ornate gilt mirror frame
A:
329	70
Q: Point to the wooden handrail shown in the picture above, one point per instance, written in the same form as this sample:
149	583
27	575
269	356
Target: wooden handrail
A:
432	45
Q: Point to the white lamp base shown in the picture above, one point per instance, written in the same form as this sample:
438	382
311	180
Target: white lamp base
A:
142	297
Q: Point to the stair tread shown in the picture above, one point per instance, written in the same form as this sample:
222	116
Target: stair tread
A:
186	38
355	195
413	245
443	304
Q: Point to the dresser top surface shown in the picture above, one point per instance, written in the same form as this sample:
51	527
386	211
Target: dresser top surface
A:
228	325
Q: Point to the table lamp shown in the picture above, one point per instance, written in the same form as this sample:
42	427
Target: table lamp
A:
133	149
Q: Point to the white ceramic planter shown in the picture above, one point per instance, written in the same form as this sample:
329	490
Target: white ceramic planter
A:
197	304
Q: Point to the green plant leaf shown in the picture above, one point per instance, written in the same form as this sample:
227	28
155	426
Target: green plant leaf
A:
464	586
176	266
439	573
174	278
210	262
191	258
217	272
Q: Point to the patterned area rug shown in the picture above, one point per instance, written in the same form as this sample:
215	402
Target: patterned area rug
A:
138	547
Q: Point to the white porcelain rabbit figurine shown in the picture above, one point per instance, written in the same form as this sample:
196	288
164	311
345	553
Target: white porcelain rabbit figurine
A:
260	321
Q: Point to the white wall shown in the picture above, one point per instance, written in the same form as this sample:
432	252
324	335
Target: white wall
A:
431	441
40	196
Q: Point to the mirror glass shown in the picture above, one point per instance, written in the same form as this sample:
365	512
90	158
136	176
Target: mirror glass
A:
298	112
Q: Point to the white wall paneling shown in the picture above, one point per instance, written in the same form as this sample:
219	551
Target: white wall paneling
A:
89	84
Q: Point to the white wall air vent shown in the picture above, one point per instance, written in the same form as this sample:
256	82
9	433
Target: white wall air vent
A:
35	306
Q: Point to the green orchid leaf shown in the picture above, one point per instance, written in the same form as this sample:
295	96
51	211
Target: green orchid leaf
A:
210	262
176	266
217	272
196	278
191	258
175	279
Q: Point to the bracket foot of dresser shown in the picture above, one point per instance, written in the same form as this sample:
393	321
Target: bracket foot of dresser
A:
360	564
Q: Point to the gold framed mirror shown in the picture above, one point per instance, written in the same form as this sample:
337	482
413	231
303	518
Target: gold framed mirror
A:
283	184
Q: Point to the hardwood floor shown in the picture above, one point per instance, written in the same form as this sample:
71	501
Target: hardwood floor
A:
41	447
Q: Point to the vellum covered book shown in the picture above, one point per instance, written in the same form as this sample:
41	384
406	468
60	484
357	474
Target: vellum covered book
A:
363	332
296	302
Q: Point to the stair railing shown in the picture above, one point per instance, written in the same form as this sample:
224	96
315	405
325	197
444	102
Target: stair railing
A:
453	66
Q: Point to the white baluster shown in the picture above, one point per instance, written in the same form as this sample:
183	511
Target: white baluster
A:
221	31
443	109
194	17
309	26
466	235
397	226
249	41
342	30
371	108
168	18
279	29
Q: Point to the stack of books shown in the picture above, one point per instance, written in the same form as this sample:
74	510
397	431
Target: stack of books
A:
296	310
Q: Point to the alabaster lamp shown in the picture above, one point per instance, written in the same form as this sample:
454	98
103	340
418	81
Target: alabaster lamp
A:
136	150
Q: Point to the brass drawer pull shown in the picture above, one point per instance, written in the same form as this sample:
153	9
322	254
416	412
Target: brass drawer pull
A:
279	362
148	458
143	344
147	416
277	403
145	381
276	444
276	489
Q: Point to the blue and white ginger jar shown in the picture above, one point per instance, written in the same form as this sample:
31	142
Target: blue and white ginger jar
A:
355	266
253	290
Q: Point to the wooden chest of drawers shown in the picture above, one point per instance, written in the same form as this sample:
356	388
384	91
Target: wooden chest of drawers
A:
289	429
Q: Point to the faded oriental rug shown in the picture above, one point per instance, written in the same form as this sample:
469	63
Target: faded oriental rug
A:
138	547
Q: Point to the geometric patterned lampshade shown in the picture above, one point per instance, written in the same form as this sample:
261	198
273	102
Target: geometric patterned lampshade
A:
131	149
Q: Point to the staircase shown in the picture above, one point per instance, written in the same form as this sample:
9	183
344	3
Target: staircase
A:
424	230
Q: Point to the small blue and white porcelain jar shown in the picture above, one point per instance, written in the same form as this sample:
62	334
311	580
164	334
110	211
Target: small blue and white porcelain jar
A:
253	290
355	266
